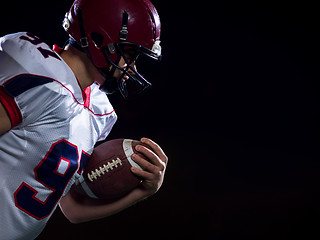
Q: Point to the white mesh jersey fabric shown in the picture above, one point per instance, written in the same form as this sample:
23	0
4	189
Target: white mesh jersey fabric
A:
42	156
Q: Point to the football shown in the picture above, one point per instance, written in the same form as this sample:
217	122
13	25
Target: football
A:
107	174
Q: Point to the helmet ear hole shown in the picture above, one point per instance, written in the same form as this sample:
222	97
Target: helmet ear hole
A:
97	38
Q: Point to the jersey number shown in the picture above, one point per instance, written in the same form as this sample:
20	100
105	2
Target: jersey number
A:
35	41
53	174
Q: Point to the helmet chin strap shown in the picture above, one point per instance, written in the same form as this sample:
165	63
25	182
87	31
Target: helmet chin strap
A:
84	44
110	84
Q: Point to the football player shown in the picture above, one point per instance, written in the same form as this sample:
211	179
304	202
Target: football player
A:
54	108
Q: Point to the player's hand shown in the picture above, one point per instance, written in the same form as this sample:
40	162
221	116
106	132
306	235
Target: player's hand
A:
153	169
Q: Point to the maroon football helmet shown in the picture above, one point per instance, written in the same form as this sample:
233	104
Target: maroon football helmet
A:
107	30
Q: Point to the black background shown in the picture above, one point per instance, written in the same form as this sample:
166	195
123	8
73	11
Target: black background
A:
234	106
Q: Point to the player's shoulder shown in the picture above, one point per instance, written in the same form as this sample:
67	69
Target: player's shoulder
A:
25	58
21	46
9	41
30	52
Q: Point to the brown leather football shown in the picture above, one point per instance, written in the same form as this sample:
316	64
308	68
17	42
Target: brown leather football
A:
107	174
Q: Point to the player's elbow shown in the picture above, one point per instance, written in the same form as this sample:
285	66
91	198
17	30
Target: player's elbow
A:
71	215
71	210
74	216
74	219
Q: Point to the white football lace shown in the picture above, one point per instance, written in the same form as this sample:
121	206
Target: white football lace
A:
104	169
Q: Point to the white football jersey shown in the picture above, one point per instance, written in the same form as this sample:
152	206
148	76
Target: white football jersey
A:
55	127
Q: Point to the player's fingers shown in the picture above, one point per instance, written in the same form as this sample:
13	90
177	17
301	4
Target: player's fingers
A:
151	156
141	173
144	164
156	148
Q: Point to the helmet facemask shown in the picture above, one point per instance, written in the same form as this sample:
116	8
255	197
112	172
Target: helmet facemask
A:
107	50
131	82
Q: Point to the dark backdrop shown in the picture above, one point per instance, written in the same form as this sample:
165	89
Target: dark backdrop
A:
233	105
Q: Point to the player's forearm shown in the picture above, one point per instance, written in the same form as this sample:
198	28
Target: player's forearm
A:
85	209
81	209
